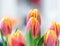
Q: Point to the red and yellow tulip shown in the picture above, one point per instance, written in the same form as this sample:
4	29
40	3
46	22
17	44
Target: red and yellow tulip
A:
16	39
34	13
6	25
50	38
55	27
34	26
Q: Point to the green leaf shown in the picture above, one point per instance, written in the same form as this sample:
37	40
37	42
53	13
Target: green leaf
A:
36	40
6	43
16	29
59	41
40	43
2	39
29	40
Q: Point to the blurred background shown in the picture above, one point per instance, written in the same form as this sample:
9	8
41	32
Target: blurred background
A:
49	11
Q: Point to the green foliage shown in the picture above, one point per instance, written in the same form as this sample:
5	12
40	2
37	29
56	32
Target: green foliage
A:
4	43
40	43
30	41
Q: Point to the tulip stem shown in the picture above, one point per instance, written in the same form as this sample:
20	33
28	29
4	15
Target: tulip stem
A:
3	40
16	29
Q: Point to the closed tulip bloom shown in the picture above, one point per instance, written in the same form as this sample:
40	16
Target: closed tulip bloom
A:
36	1
16	39
50	38
34	26
55	27
34	13
6	26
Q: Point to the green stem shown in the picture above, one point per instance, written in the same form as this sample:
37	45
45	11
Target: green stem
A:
16	29
3	40
7	41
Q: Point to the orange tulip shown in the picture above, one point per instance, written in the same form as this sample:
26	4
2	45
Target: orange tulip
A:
6	25
34	13
50	38
33	25
16	39
55	27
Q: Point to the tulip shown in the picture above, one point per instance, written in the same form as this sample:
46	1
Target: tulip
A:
34	13
50	38
33	25
36	1
16	39
6	25
55	27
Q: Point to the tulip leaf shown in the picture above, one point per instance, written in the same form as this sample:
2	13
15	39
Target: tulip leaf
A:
4	44
59	41
36	40
29	38
40	43
16	29
30	41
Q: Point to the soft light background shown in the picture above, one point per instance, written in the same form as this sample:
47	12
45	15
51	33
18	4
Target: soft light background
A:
49	10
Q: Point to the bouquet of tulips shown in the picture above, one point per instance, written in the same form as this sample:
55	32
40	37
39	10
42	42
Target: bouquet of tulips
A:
33	33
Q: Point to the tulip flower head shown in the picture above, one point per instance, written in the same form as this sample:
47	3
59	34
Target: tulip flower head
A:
33	25
16	39
55	27
50	38
6	26
36	1
34	13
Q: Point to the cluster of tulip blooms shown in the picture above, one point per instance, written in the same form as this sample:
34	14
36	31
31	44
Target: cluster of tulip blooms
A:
33	32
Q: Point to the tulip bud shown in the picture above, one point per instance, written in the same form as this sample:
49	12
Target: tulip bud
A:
36	1
16	39
34	13
33	25
6	26
50	38
55	27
